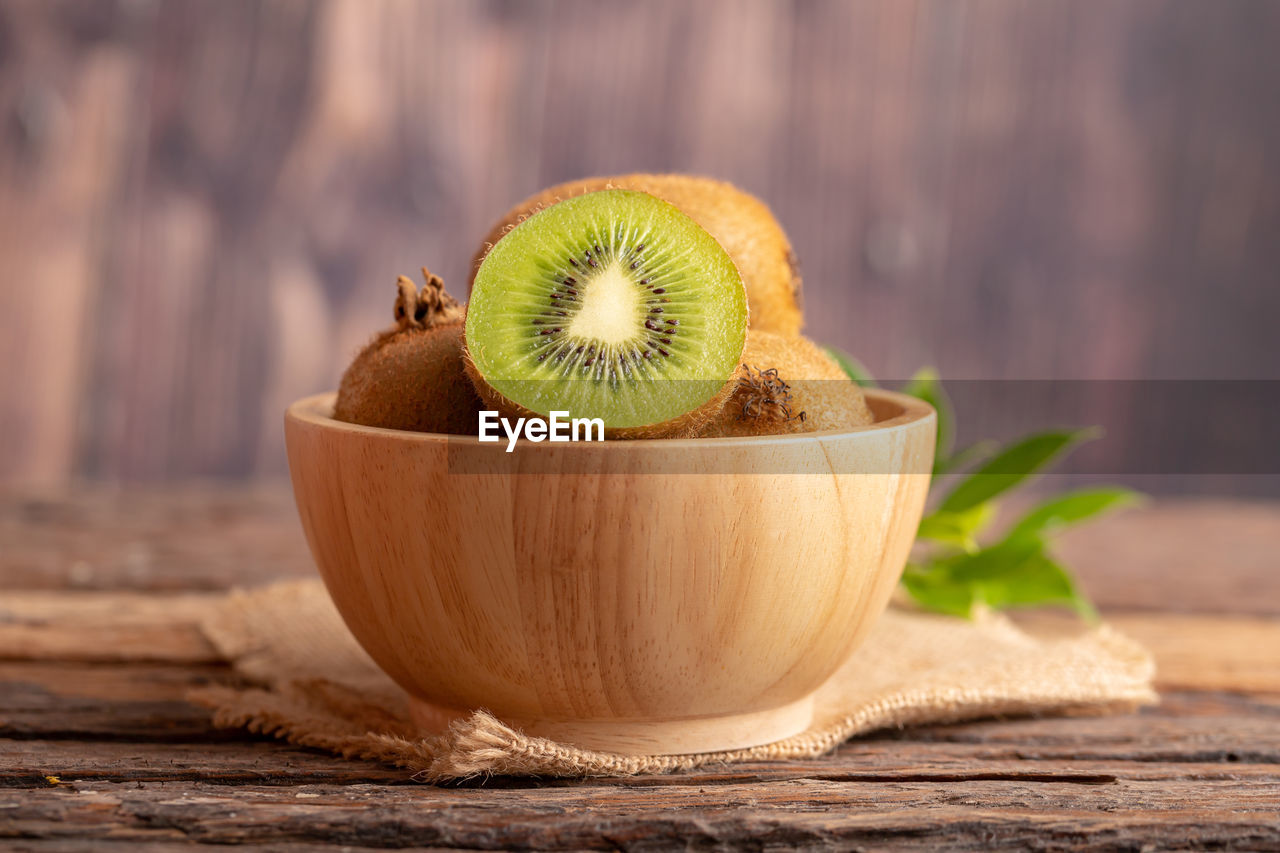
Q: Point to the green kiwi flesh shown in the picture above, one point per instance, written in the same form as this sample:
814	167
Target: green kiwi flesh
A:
611	305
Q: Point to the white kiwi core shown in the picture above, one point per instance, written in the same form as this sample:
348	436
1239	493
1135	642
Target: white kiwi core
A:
610	305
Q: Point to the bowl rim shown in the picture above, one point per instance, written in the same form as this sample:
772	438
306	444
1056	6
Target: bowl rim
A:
316	410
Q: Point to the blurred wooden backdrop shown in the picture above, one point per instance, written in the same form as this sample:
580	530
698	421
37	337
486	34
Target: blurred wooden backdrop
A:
204	205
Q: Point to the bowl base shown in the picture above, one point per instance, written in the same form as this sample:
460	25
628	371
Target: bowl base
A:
645	737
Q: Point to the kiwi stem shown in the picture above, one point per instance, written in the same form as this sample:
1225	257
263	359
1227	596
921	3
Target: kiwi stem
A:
422	309
406	304
758	390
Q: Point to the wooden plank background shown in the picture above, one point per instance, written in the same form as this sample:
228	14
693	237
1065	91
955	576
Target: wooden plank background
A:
204	205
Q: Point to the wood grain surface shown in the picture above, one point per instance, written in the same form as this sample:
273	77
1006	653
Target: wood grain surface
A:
204	206
100	751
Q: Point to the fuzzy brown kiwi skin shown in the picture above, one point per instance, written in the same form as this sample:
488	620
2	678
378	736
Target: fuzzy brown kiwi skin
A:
688	425
411	376
787	384
739	221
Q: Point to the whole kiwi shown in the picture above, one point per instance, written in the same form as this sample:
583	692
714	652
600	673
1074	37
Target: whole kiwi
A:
411	375
787	384
741	223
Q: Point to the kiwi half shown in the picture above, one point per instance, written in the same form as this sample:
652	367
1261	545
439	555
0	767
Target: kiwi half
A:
411	376
742	223
610	305
787	384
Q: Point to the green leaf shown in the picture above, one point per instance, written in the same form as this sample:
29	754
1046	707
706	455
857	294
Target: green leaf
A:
926	386
853	368
1037	581
1071	508
1012	465
965	457
959	529
997	561
934	590
946	530
1016	571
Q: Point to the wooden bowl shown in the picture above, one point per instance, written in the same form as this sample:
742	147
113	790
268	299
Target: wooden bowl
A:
664	596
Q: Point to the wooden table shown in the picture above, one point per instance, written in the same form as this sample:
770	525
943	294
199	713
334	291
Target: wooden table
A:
98	749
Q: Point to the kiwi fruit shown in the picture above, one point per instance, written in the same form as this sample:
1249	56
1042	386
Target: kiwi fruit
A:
411	375
611	305
787	384
742	223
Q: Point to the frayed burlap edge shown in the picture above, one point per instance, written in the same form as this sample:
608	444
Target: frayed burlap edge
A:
955	671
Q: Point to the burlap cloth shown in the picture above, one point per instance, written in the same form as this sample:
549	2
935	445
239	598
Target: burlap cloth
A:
317	688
